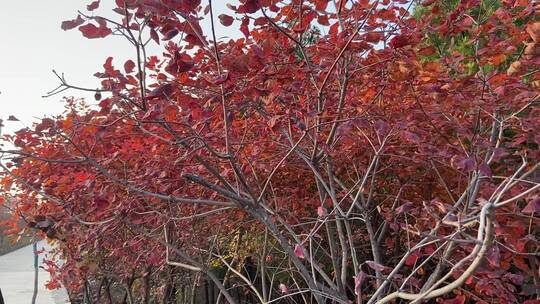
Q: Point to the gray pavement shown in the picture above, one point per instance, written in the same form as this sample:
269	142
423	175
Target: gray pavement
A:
17	278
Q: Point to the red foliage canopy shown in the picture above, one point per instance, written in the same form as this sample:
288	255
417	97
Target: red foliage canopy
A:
393	156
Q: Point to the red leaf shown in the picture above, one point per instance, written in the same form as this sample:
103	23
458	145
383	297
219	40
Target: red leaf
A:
408	206
108	65
427	51
322	212
358	280
92	6
82	177
91	31
244	27
411	137
161	91
299	251
321	5
485	169
373	37
515	279
101	203
467	164
323	20
249	7
192	39
170	34
220	79
283	288
179	66
411	259
129	66
381	127
226	20
154	35
494	257
260	21
46	123
184	66
400	41
533	206
187	6
375	266
67	25
137	219
52	284
498	154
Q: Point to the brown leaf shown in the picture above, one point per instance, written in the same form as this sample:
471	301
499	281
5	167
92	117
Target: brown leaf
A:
226	20
534	31
515	68
531	50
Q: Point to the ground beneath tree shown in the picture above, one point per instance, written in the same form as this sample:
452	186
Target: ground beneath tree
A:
17	278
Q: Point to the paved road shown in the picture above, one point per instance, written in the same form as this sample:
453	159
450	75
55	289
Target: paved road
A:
17	279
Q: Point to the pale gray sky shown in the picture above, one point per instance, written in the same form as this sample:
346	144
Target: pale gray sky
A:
33	44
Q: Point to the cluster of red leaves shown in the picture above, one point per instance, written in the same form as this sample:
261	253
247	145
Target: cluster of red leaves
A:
111	176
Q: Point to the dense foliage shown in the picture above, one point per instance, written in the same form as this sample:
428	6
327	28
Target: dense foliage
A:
366	151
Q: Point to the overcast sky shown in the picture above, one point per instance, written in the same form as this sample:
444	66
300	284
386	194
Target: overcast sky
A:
33	44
